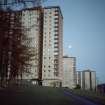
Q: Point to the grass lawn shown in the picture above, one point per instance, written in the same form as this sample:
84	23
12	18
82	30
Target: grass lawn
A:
34	95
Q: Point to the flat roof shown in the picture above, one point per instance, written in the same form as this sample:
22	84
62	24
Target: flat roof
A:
50	7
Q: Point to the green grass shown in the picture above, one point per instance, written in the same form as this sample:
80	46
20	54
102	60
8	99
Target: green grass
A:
36	95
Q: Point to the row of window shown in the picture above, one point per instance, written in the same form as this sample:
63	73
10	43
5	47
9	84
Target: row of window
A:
55	66
55	74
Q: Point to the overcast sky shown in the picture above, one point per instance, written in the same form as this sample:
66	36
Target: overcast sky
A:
84	33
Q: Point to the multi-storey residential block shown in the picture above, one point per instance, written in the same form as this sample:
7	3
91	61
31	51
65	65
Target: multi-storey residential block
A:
69	70
52	45
45	29
86	79
43	26
32	28
79	78
93	80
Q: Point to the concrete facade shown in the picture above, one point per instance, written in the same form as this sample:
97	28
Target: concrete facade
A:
31	27
69	70
52	46
79	78
43	27
86	79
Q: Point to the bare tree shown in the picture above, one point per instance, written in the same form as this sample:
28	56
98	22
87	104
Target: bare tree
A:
15	55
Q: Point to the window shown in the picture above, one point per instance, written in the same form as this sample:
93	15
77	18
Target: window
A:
55	61
56	22
56	35
56	43
56	27
55	38
55	73
56	30
56	10
56	14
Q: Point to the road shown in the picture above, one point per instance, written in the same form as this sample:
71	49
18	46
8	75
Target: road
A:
36	95
79	99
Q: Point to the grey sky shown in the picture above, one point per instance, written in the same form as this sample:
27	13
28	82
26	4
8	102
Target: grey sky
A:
84	33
